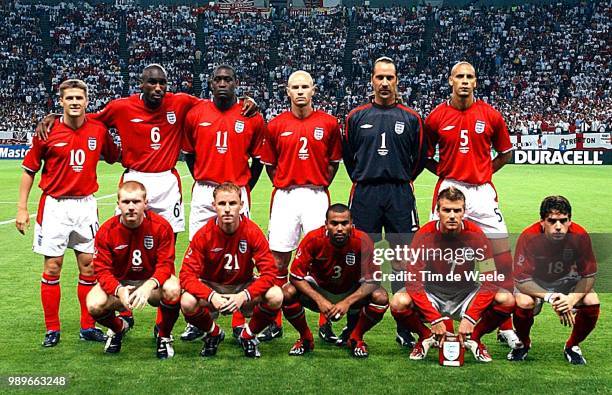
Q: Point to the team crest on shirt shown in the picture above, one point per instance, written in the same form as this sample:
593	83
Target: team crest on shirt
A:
148	242
479	127
92	143
242	246
318	133
350	258
239	126
399	127
171	117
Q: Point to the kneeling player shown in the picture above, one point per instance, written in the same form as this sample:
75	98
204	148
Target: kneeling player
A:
332	274
429	293
134	261
554	263
218	274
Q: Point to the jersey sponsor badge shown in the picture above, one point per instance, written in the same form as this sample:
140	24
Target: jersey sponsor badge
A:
136	120
479	127
242	246
239	126
350	258
366	126
148	242
399	127
318	133
171	117
447	128
205	124
286	134
92	143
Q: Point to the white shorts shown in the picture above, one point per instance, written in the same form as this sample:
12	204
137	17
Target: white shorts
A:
481	207
163	193
202	206
65	223
295	211
452	308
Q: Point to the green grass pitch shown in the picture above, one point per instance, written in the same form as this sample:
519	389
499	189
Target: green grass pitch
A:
328	369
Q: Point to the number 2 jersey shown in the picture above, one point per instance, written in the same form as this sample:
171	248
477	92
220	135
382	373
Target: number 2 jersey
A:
126	254
70	158
228	259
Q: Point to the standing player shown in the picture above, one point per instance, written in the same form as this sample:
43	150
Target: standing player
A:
301	152
384	151
218	276
554	263
218	143
451	247
333	274
134	262
464	129
67	212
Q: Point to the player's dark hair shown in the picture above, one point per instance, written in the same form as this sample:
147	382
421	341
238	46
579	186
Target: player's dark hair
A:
73	83
555	204
223	67
452	194
338	208
227	187
154	66
384	59
132	186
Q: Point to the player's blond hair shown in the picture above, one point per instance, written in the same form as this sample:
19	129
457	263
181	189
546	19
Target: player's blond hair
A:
130	186
227	187
298	73
73	83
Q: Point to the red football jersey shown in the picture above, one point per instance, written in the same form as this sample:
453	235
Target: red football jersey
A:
70	158
150	138
465	139
215	256
145	252
337	270
441	254
222	142
542	260
301	149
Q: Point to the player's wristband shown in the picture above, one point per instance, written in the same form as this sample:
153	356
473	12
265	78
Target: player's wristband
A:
547	297
210	296
248	295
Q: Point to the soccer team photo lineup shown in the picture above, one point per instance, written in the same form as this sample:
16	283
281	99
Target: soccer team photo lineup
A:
434	194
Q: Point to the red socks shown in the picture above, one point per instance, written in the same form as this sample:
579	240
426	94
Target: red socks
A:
411	321
86	283
523	321
506	325
263	315
111	321
50	295
169	312
369	316
491	319
238	319
203	320
294	313
586	318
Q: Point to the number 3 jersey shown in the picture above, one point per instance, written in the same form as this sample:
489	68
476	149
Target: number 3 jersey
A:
222	142
70	158
335	269
126	254
228	259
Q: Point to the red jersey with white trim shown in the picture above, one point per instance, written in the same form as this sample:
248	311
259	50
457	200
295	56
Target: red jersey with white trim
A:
150	138
542	260
222	142
70	158
301	149
443	254
335	269
218	257
465	139
122	253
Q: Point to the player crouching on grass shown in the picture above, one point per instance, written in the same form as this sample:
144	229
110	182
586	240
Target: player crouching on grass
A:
554	263
218	276
480	307
134	261
332	273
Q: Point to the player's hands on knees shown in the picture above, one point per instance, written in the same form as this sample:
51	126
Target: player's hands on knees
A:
44	126
465	330
22	220
338	310
562	303
218	301
139	298
249	107
567	318
439	331
124	295
234	302
324	306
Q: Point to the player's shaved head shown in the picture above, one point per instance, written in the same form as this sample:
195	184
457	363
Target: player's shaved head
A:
223	67
73	83
459	64
451	194
338	208
300	73
153	66
131	186
227	187
555	205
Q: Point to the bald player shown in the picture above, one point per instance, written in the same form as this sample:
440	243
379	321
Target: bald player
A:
301	151
465	129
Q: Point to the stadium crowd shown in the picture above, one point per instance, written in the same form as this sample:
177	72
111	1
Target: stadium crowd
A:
546	68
